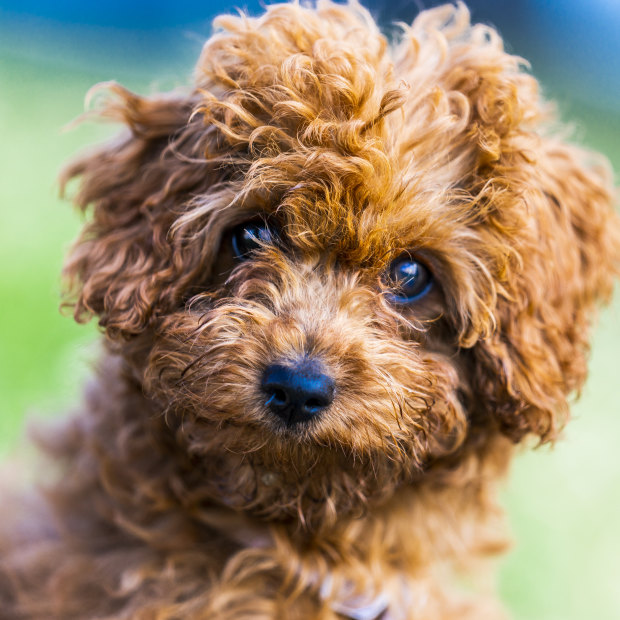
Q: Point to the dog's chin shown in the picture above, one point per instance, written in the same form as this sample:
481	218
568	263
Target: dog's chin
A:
285	474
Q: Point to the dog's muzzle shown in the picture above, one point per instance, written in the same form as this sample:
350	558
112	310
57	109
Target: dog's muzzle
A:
298	392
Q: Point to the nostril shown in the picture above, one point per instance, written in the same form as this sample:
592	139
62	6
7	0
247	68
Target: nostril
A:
277	397
315	404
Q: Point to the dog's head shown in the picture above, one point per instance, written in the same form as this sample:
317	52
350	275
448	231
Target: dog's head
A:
345	263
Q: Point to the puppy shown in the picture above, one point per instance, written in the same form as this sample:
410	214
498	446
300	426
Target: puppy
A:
338	280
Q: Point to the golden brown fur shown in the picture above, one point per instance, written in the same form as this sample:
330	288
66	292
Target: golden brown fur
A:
178	496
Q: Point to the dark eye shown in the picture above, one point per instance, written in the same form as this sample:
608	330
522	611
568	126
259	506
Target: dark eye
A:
248	237
410	280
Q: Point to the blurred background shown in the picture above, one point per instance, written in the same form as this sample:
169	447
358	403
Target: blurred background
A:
563	503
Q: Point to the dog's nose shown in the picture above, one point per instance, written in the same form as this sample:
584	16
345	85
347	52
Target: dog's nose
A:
299	392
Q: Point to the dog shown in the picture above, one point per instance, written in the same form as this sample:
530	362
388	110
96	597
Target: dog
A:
339	280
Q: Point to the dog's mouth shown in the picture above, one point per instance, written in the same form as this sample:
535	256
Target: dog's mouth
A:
269	449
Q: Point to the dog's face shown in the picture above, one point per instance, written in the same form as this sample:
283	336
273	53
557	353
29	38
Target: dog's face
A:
343	265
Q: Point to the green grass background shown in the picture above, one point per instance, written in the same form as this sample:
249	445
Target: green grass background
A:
563	504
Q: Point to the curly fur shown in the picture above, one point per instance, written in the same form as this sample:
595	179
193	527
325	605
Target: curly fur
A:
177	496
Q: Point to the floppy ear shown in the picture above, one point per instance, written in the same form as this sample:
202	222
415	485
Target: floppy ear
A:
542	217
569	254
122	267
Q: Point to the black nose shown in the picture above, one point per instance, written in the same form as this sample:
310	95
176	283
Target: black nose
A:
299	392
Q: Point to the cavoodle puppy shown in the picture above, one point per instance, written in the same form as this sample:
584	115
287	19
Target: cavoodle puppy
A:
339	279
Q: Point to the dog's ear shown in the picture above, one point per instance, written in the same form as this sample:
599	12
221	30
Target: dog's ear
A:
567	247
547	237
122	267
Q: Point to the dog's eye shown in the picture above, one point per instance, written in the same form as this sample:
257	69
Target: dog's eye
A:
409	279
248	237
